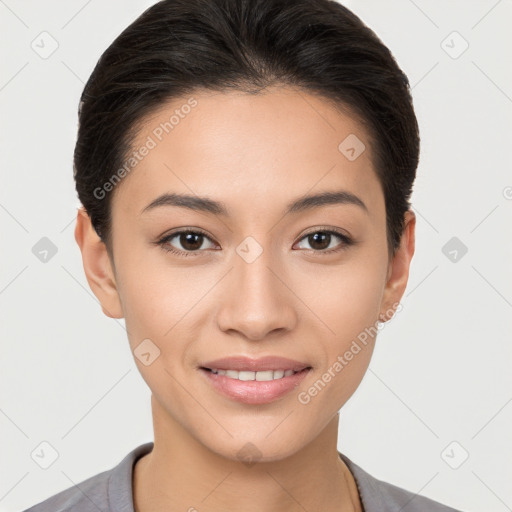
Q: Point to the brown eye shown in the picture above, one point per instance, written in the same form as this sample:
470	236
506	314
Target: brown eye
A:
185	242
325	241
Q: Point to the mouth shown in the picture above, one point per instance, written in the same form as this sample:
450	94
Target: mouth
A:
254	387
254	381
243	364
260	376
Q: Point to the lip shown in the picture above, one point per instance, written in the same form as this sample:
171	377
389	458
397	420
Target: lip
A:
253	391
243	363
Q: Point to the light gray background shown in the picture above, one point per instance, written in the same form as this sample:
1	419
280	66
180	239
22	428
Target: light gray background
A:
441	369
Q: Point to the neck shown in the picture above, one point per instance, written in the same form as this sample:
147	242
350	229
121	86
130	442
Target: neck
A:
180	473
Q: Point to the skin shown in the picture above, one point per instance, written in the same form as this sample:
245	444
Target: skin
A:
255	154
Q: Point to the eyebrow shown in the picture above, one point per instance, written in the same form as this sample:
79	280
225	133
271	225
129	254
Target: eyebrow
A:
204	204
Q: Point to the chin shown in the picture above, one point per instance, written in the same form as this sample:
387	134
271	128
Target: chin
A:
257	448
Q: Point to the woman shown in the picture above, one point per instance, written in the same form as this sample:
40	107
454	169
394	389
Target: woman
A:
245	169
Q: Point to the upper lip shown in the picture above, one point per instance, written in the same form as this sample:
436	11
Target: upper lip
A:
243	363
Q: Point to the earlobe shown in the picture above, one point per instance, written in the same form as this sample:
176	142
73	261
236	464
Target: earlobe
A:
97	266
398	270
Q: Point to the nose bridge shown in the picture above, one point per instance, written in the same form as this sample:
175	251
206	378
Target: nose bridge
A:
256	302
252	272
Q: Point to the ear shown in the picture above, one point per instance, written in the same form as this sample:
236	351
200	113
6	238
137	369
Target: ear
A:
398	270
97	266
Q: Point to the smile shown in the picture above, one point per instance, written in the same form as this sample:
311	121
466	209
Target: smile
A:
254	387
259	376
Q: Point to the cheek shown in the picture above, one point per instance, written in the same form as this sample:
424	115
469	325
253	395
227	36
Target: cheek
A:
165	305
345	353
156	296
347	297
347	302
358	295
155	304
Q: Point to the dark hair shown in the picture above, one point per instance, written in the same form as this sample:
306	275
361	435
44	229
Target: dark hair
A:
179	46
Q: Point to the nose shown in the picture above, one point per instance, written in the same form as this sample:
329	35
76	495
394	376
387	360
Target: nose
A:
256	300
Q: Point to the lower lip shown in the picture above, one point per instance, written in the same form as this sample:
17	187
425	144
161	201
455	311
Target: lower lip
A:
254	391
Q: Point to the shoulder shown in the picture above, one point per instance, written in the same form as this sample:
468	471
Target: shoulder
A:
379	496
109	490
90	495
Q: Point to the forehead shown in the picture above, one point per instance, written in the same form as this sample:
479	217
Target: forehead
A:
249	150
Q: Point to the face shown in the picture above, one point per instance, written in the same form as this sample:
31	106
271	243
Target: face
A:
256	276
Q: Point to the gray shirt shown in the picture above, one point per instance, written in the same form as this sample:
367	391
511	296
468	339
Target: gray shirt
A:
111	491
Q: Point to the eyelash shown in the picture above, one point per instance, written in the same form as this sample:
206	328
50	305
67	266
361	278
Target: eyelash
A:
163	242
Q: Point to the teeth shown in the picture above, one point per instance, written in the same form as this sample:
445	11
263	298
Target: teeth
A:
259	376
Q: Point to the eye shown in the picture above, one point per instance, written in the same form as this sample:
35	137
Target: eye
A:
190	240
321	240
